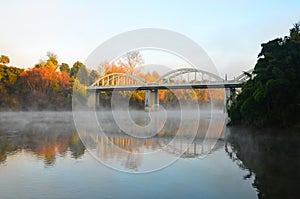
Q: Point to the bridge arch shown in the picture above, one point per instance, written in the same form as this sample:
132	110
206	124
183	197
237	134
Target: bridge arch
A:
191	75
115	79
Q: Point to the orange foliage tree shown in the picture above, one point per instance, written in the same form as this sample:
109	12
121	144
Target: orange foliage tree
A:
44	88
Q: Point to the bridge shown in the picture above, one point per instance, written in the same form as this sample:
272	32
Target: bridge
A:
183	78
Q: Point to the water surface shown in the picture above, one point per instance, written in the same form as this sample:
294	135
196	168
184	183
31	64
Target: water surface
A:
42	156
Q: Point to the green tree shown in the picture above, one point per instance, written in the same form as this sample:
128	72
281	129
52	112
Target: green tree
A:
295	32
272	97
8	77
40	63
80	71
79	92
94	75
75	68
64	67
7	102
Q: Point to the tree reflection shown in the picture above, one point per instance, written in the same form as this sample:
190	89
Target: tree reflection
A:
272	159
44	140
76	146
51	135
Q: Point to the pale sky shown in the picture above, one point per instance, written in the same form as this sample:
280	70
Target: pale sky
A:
229	31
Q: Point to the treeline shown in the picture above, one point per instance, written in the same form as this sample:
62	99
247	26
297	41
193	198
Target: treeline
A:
272	96
49	85
46	86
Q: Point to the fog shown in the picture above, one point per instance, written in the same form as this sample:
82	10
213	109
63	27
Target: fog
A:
100	133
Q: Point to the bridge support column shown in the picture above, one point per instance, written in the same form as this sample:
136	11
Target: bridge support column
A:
151	100
93	99
97	100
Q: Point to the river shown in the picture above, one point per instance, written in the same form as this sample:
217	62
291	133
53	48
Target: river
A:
42	156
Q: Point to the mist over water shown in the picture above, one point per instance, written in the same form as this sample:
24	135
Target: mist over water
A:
20	121
102	134
40	147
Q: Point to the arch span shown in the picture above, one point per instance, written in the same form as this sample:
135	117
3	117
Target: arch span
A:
192	75
246	75
114	79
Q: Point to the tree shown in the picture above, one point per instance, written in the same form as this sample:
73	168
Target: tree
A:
64	67
51	62
94	75
75	68
40	63
131	60
113	68
52	58
44	88
80	71
79	92
4	59
7	102
272	97
8	77
295	32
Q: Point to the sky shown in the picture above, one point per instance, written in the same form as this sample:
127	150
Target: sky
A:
230	31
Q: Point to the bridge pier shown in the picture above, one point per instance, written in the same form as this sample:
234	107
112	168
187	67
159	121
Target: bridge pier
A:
93	98
151	100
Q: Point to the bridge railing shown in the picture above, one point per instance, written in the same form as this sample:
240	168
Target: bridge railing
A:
183	76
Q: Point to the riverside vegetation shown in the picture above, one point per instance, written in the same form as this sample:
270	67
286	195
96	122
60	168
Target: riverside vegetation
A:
272	96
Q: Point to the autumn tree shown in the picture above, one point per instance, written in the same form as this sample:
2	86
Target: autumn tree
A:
4	59
113	68
51	61
44	88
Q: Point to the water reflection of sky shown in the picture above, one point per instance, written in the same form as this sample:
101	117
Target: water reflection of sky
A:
41	159
213	177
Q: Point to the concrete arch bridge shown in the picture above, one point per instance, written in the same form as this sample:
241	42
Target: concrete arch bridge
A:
183	78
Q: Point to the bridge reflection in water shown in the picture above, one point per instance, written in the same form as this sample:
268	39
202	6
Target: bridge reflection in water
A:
113	146
132	149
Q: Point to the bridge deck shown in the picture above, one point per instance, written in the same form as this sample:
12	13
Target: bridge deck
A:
166	86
